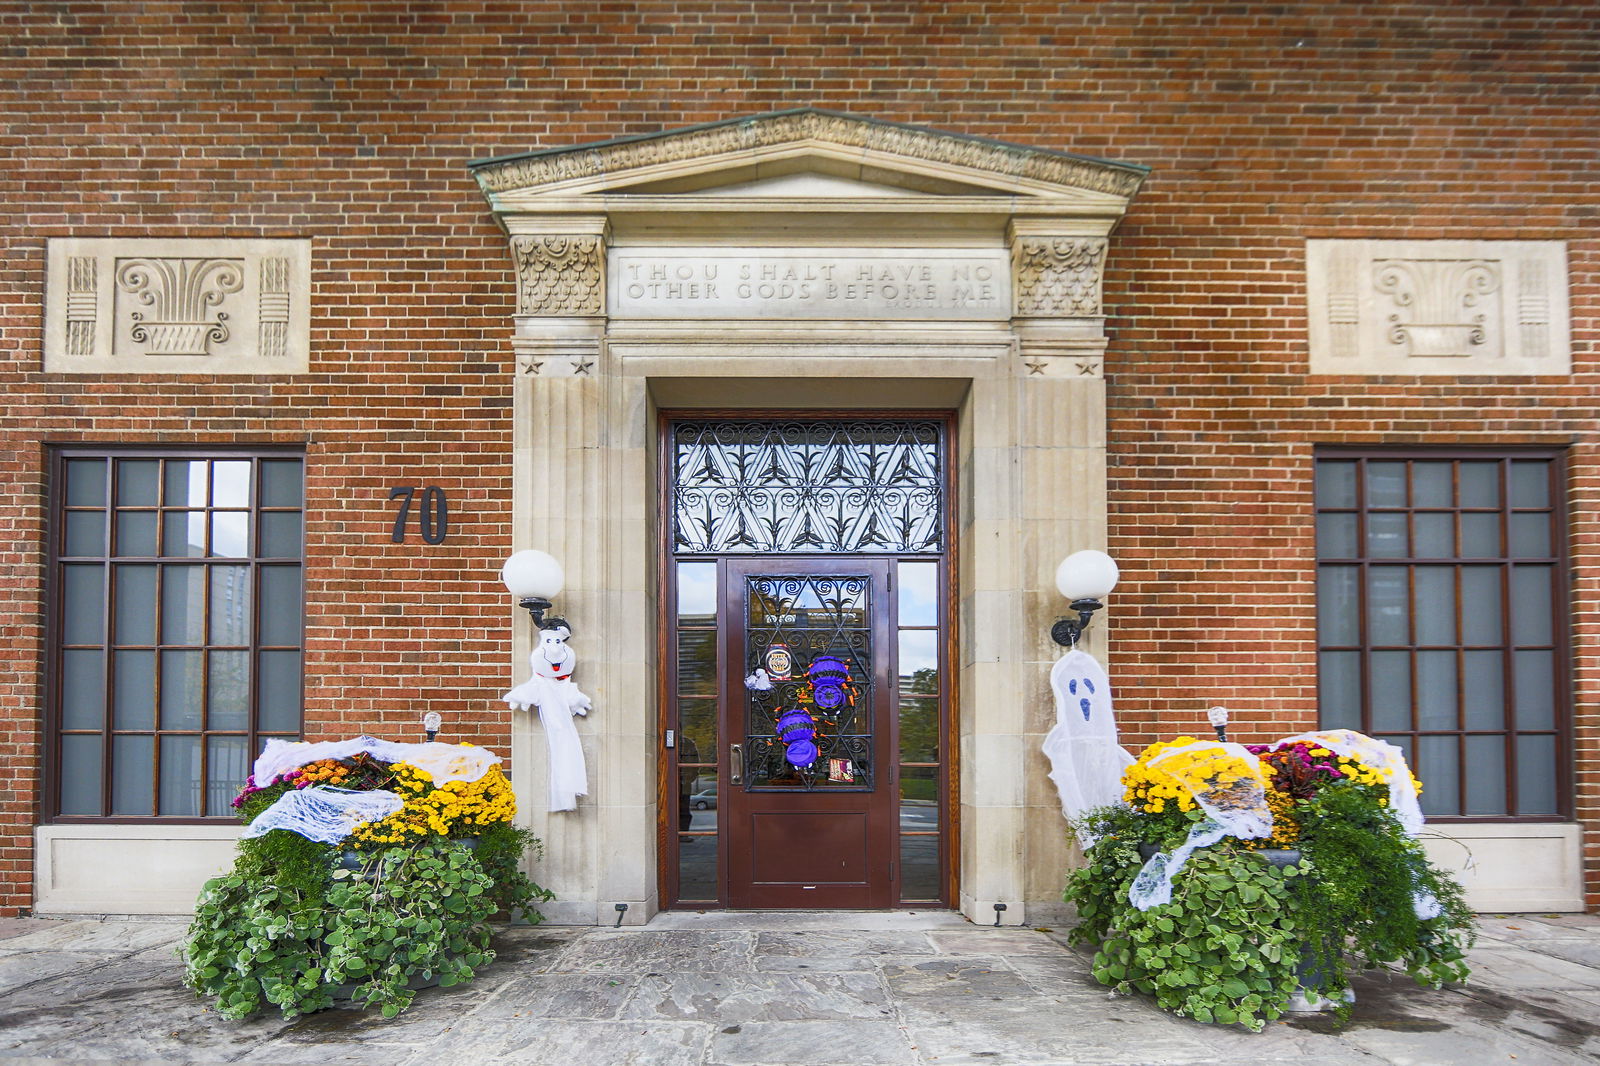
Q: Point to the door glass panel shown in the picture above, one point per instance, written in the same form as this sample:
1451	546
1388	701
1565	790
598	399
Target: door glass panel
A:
1430	485
811	727
135	591
136	482
183	605
1391	690
226	766
1337	598
228	691
184	533
1387	614
1480	484
133	695
83	607
919	728
1530	484
1480	605
1480	536
1386	535
230	605
697	730
918	589
697	867
136	533
1438	765
1530	605
1535	689
1386	484
697	799
279	691
1436	535
83	688
86	483
1530	535
1436	690
181	689
697	662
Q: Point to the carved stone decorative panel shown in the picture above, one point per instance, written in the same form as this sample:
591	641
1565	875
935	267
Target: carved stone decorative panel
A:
1058	277
1438	307
177	306
559	274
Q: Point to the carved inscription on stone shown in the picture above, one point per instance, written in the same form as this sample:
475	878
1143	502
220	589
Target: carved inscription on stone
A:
892	284
559	274
1059	277
1438	307
210	306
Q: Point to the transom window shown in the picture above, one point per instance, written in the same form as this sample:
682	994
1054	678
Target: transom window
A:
1441	624
177	614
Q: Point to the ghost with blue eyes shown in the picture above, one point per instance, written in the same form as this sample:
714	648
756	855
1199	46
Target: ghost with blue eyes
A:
1086	760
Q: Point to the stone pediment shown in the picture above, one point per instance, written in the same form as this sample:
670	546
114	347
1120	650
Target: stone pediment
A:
806	159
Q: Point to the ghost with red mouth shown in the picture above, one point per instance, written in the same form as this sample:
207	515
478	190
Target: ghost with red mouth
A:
552	691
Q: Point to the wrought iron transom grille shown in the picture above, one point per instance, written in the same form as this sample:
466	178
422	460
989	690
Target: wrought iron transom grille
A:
803	631
829	486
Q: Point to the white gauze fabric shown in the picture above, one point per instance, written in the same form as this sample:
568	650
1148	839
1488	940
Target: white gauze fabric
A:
557	701
1086	760
1229	785
322	813
443	762
1381	755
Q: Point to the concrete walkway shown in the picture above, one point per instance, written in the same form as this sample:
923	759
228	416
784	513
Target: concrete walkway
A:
897	989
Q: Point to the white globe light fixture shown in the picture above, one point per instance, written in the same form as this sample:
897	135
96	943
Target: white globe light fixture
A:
1084	578
535	579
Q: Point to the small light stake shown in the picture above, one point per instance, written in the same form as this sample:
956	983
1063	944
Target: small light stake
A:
1219	721
621	908
431	723
999	909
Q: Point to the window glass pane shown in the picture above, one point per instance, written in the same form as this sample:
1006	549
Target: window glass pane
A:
1391	690
86	533
230	605
281	483
919	729
697	868
230	484
135	590
181	689
83	604
1436	690
919	869
183	533
1530	535
1386	484
1386	605
133	699
227	764
1480	484
180	776
1436	535
1486	776
186	483
230	534
228	690
1336	483
1336	536
697	594
1437	765
183	605
1530	605
1339	690
1480	536
136	533
280	605
919	797
1386	535
697	730
1535	688
1430	485
86	482
918	589
919	660
1484	689
1337	605
83	689
1530	484
133	785
1436	604
279	695
1536	775
697	662
81	774
136	482
697	799
280	534
1480	605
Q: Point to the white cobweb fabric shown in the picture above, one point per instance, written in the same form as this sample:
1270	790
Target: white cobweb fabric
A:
1085	759
1381	755
323	813
442	762
1230	786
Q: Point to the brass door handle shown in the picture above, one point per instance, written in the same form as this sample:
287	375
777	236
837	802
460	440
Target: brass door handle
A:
735	764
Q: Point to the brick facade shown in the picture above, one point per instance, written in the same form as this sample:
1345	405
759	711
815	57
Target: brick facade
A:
1265	124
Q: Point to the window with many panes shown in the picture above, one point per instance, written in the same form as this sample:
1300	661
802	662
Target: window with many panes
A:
176	626
1441	621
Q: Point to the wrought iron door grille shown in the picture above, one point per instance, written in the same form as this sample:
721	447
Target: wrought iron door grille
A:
826	486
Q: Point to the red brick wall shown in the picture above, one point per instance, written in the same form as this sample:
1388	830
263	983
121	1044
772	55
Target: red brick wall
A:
351	123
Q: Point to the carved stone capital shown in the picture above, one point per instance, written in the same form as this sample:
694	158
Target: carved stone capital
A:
559	274
1057	277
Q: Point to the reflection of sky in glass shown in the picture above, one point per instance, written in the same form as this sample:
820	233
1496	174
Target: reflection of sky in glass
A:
919	650
919	594
230	534
697	588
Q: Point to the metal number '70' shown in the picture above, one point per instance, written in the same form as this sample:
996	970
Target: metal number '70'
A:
433	517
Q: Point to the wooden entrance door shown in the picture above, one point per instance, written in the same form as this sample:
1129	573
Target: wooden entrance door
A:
809	802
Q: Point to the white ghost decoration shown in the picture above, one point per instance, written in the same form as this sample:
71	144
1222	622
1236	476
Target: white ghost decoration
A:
1086	760
558	699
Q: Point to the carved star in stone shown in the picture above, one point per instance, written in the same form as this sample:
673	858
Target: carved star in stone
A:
532	367
1036	368
1087	369
582	366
